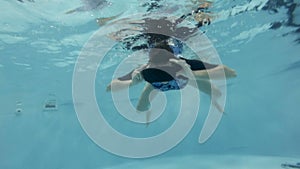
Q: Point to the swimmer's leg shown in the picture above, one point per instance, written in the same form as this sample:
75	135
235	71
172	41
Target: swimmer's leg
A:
210	89
218	106
144	100
206	87
215	73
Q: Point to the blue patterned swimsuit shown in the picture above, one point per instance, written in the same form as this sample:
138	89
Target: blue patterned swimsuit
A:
165	78
175	84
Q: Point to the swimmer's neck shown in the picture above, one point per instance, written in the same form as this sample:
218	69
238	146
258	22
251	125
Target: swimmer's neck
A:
153	65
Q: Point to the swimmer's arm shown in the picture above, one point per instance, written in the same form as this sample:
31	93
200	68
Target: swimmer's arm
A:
117	84
132	78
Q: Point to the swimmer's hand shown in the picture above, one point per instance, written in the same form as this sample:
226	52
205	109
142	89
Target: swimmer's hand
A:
136	77
108	88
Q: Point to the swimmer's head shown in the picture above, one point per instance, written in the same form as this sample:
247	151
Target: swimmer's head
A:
161	53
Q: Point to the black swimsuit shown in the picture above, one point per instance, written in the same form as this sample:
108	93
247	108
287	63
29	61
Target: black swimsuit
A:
164	77
198	65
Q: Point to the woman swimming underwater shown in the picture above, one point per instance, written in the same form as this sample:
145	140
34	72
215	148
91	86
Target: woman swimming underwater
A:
165	71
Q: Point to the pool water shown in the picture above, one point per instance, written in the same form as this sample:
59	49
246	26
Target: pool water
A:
40	45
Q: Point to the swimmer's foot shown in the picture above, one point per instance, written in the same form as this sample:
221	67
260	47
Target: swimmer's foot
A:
108	88
229	73
215	91
218	106
148	115
142	107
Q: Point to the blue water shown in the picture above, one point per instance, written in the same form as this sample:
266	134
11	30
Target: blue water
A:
40	44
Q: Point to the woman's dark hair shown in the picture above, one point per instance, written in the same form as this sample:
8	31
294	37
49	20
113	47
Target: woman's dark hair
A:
164	45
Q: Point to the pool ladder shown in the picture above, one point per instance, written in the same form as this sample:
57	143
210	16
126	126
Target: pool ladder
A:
51	103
